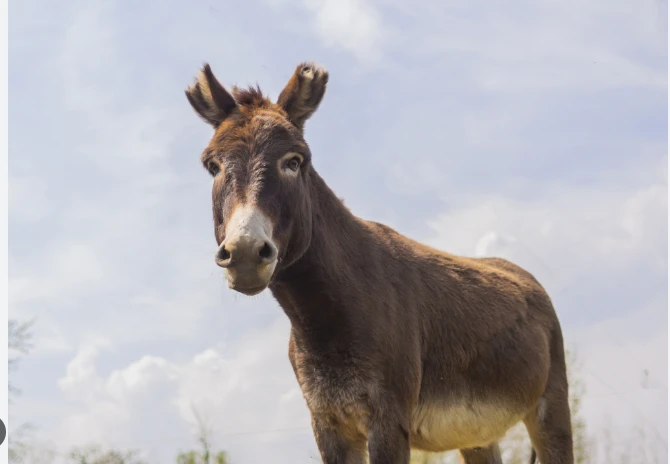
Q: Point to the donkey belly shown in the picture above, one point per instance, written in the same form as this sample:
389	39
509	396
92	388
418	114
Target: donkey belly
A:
461	424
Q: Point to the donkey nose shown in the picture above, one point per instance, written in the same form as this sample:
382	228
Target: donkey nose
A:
245	250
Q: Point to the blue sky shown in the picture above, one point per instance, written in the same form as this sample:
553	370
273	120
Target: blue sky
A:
536	131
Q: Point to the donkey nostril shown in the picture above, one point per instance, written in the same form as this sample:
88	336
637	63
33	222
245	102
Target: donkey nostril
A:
223	254
266	252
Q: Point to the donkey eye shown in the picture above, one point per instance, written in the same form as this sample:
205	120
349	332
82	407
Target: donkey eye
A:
213	168
293	164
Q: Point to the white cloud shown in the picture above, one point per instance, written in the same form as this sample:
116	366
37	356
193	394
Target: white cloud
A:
564	234
352	25
247	393
81	371
491	243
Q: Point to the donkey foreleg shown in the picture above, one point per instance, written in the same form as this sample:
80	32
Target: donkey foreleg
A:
388	439
335	445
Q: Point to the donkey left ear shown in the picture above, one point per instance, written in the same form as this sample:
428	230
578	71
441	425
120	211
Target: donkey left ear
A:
209	99
303	93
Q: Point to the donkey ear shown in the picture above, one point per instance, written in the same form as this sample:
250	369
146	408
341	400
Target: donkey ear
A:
303	93
209	99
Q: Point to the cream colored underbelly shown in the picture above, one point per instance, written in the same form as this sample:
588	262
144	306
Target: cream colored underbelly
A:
458	426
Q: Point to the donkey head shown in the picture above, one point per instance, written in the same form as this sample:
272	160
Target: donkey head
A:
261	167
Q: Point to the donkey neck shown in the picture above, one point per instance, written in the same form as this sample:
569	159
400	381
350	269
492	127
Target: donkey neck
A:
317	291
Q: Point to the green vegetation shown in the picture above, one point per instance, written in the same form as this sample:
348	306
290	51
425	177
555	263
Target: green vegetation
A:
95	455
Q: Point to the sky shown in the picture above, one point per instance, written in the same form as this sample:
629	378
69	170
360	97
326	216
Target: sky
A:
535	131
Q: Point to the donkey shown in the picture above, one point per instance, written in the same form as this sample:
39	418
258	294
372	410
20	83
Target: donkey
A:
395	345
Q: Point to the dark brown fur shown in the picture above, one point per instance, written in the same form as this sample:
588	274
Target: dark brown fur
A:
392	342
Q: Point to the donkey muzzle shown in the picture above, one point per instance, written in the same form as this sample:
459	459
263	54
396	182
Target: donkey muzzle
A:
248	254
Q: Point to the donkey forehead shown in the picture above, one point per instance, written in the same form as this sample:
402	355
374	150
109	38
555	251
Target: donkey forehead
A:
255	134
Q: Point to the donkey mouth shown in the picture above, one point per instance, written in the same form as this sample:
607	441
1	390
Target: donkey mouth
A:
249	291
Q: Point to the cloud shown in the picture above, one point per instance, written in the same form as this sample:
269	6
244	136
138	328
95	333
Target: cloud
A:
245	393
565	234
81	371
354	26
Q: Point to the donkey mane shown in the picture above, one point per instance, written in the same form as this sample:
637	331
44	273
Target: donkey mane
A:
250	97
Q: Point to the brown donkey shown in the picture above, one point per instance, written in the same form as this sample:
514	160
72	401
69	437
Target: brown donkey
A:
395	345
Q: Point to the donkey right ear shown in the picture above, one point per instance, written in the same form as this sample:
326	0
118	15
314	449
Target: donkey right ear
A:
209	99
303	93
